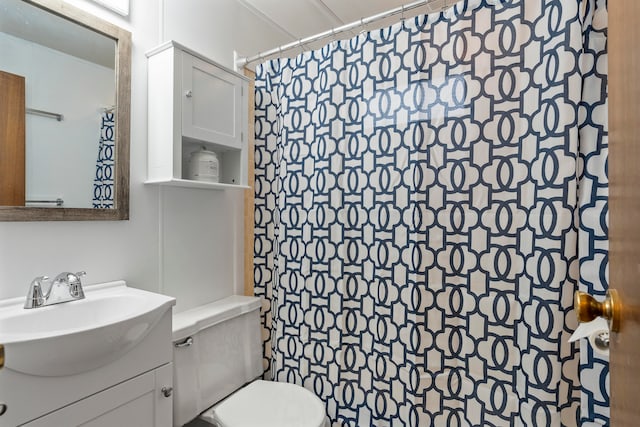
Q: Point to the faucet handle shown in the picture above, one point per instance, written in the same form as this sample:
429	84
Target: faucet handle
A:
75	284
35	298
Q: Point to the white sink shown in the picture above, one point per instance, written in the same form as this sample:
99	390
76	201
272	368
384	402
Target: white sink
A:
78	336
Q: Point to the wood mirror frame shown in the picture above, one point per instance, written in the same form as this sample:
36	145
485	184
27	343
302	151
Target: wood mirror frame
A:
122	40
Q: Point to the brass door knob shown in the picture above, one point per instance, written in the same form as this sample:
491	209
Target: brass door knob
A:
588	308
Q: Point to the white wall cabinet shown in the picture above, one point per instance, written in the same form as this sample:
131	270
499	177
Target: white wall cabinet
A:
195	103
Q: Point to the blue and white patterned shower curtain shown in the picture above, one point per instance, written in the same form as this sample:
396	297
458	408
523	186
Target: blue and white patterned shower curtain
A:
420	194
593	193
103	181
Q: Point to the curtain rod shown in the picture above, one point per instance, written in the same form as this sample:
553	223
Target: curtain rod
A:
241	62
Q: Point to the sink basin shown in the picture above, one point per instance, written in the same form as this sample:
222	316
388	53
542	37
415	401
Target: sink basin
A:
78	336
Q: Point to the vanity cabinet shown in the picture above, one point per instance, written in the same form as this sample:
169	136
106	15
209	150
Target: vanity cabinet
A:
140	401
123	390
195	103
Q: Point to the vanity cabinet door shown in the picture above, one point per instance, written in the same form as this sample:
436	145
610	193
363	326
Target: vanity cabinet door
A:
211	103
138	402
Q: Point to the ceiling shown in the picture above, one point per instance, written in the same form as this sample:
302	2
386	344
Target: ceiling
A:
27	22
293	19
298	19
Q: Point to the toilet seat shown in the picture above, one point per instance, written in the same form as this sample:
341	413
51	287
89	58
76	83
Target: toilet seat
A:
268	404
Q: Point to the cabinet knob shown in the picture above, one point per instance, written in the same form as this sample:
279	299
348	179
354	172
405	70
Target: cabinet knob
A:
167	391
188	93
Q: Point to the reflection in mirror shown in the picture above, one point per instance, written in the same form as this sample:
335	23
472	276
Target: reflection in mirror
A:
64	85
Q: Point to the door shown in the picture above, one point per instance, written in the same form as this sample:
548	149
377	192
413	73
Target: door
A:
624	205
12	140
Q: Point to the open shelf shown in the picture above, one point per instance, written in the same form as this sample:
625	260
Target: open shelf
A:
186	183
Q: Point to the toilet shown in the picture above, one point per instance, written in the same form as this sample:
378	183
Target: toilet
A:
217	364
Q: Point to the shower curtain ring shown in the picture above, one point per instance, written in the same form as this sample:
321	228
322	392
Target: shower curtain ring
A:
334	38
361	25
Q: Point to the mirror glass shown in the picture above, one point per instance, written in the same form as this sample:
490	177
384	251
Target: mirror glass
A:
59	111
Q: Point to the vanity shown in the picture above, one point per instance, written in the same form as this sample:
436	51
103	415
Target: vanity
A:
105	360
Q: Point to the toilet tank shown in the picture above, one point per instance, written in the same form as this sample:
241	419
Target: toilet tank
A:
217	348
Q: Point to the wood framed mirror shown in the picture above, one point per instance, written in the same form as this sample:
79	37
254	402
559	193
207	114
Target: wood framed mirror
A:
64	121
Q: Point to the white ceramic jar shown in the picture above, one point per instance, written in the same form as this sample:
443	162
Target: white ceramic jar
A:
204	166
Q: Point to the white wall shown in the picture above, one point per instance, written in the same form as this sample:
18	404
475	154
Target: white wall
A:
217	28
61	156
186	243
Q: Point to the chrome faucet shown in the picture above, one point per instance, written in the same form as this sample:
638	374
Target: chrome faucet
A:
65	287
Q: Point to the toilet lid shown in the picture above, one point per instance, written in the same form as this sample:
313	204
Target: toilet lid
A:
270	404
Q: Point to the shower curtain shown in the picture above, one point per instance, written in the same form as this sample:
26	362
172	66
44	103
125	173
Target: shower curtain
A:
593	242
421	192
103	181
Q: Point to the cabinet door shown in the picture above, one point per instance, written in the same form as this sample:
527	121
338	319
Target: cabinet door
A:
212	103
137	402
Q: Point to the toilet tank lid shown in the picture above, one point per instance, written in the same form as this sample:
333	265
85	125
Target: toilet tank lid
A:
198	318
